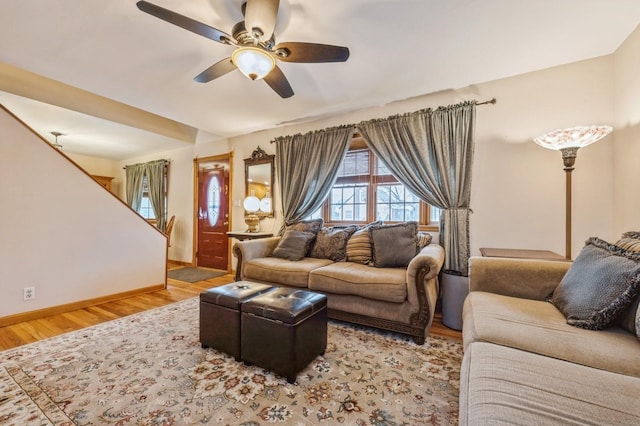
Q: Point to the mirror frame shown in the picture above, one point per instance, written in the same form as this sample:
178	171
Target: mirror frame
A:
259	157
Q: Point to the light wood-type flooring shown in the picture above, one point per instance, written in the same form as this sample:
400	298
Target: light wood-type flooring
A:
31	331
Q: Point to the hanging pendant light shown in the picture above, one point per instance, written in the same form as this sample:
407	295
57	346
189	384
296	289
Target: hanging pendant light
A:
56	144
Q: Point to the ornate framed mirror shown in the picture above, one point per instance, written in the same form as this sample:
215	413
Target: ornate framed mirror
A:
259	176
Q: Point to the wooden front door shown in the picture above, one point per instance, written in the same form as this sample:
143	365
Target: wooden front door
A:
213	214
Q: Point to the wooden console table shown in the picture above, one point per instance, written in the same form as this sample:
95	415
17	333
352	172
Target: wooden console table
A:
241	236
522	254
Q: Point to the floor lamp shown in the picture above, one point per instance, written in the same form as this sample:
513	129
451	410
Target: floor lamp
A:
568	141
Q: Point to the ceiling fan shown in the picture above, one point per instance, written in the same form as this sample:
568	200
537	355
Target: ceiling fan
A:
256	50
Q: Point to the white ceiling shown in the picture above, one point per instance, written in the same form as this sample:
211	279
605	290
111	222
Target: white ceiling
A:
399	49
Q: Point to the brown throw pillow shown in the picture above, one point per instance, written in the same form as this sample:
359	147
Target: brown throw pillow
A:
600	284
331	243
394	245
293	245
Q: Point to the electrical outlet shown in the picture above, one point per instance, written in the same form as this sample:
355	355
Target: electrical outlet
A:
29	293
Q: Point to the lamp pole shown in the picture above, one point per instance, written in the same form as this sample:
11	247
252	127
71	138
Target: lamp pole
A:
569	158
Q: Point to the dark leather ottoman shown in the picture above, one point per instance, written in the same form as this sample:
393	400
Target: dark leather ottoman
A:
284	330
220	315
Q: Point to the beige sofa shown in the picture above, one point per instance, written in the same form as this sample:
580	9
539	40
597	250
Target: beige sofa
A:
523	364
397	299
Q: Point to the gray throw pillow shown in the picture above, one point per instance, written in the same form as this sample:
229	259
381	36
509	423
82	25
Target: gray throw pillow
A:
394	245
331	243
600	284
313	226
293	245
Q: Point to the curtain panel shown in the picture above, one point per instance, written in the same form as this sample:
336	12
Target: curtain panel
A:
431	152
307	166
155	171
134	176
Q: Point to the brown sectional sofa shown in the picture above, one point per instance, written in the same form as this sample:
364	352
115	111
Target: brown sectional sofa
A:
397	299
523	364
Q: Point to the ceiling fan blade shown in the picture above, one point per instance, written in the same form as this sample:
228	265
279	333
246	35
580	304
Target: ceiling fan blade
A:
260	18
216	70
279	83
310	52
185	22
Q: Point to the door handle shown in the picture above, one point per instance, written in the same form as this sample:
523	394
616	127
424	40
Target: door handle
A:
226	222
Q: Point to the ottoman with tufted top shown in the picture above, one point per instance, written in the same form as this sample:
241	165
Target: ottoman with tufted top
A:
284	330
220	315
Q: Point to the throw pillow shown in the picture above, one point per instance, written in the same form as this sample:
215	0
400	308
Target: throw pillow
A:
632	234
394	245
630	317
631	244
359	246
331	243
600	284
313	226
293	245
424	239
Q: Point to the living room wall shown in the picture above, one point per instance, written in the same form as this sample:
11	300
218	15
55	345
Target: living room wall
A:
626	152
518	187
64	234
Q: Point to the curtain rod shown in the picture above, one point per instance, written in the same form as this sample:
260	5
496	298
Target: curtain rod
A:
166	164
490	101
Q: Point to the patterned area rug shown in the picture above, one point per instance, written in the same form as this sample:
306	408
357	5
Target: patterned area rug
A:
193	275
149	369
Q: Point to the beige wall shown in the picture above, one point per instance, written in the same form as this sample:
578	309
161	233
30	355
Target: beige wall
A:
64	234
518	187
626	152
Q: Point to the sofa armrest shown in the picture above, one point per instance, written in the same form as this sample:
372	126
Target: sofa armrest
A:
252	249
523	278
422	286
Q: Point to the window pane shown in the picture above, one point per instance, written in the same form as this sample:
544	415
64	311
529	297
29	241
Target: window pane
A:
434	214
348	203
145	208
355	163
395	203
381	168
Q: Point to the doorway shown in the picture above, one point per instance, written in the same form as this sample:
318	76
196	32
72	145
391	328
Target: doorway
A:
211	221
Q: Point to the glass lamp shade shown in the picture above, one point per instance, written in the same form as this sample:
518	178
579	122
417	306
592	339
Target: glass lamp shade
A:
574	137
265	205
251	204
253	62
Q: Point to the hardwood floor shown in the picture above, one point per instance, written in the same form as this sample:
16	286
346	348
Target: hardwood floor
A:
32	331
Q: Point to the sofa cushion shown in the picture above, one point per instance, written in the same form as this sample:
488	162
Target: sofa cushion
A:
331	243
359	245
537	326
293	245
360	280
505	386
281	271
394	245
602	282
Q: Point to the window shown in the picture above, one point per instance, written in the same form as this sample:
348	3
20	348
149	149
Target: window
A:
365	190
146	210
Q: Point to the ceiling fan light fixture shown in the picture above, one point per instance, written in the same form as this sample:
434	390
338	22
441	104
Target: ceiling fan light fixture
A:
253	62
